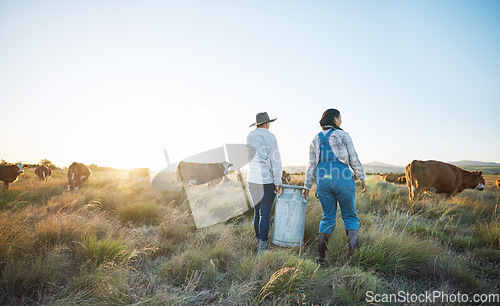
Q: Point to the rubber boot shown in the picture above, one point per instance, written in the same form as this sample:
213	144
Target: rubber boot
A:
263	245
352	240
322	241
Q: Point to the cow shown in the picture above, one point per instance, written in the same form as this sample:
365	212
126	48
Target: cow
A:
439	177
43	172
202	173
77	174
390	177
286	177
401	180
10	173
498	183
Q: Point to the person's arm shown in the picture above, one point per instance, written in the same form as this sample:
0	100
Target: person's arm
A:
311	168
275	159
354	162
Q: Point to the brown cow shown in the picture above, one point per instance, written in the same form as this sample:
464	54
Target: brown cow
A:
43	172
9	174
498	183
401	180
439	177
202	173
286	177
390	177
77	174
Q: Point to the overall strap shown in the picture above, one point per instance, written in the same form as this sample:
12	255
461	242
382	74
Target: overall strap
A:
323	141
324	138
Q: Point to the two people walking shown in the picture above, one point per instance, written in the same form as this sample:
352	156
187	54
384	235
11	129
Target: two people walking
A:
330	154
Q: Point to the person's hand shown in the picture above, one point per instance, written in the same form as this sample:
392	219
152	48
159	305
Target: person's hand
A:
305	193
363	187
277	189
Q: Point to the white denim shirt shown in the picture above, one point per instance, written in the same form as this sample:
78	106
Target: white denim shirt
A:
265	162
343	149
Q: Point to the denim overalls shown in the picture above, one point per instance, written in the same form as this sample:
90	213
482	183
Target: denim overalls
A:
334	184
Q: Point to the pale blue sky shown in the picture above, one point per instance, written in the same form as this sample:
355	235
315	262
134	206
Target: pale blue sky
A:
114	82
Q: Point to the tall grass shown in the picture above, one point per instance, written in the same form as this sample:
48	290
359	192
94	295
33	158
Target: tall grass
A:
396	254
96	250
29	277
488	234
12	236
119	241
140	213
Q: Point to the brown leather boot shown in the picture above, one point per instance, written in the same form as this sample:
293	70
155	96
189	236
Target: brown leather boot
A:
322	241
352	240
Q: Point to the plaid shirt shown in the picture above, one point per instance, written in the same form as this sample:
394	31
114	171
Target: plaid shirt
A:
343	149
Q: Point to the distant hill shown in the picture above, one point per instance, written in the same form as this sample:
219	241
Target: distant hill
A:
474	163
378	167
295	169
471	165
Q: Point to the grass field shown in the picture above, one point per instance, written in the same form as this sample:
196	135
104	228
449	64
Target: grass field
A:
120	241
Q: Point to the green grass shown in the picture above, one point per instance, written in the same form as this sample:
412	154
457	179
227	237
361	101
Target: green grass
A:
140	213
396	254
96	251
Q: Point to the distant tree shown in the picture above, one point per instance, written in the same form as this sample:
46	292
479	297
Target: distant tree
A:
48	163
3	162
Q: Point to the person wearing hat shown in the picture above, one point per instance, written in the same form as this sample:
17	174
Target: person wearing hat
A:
330	154
264	175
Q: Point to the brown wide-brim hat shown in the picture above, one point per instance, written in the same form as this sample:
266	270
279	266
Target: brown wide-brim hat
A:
262	118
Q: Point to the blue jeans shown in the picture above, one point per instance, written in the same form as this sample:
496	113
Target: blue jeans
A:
263	198
329	193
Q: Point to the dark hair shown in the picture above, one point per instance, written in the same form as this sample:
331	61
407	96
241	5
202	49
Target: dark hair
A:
327	121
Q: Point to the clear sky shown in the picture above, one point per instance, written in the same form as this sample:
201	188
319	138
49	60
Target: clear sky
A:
115	82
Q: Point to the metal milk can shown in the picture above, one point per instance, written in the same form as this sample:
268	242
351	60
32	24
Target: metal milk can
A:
289	217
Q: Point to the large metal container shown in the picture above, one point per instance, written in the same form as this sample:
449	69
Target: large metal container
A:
290	217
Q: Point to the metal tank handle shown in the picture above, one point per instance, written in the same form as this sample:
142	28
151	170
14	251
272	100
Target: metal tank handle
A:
294	187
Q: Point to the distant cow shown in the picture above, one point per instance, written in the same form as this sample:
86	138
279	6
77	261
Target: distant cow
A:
9	174
202	173
401	180
498	183
77	174
43	172
439	177
390	177
286	177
